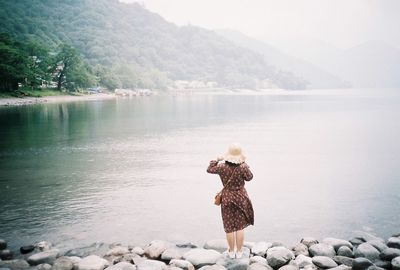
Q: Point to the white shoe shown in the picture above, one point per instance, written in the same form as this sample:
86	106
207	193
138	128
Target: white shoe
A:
239	254
230	254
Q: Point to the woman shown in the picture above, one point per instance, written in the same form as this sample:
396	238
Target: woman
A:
236	208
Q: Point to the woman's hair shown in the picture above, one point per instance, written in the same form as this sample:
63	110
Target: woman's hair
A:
231	163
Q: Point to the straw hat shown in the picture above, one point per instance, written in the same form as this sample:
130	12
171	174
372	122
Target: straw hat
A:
234	154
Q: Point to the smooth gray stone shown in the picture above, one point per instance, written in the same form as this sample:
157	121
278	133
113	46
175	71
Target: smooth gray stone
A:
92	262
383	264
14	264
343	260
396	235
150	265
43	266
374	267
183	264
26	249
3	244
324	262
365	237
219	245
303	261
279	256
396	263
260	248
234	264
289	267
47	256
138	250
200	257
309	241
43	245
361	263
379	245
345	251
156	248
366	250
258	259
355	241
6	254
122	266
337	243
75	261
212	267
259	266
117	251
277	244
63	263
300	249
322	249
341	267
394	242
173	253
389	254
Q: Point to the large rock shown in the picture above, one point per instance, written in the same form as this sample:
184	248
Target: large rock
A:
122	266
156	248
365	237
259	266
42	266
389	254
302	261
75	261
279	256
14	264
138	250
92	262
219	245
379	245
150	265
26	249
366	250
200	257
234	264
396	263
258	259
300	249
63	263
322	250
117	251
324	262
47	256
3	244
341	267
337	243
309	241
361	264
345	251
183	264
343	260
394	242
383	264
260	248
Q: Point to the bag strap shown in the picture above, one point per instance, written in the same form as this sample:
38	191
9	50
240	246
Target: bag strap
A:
230	178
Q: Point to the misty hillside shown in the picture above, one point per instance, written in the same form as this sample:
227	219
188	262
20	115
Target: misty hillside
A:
371	64
138	46
317	77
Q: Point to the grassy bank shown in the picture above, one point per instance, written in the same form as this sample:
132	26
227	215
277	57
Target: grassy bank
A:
45	92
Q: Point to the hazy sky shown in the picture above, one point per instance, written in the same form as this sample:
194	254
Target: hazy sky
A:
343	23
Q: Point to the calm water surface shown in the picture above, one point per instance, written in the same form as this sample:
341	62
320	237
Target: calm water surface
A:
130	171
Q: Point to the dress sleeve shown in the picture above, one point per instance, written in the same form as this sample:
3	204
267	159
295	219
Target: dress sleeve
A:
213	167
246	173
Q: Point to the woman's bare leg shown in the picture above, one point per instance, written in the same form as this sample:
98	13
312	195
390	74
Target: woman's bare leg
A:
239	239
230	237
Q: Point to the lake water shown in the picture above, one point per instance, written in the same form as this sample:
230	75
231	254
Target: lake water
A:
325	163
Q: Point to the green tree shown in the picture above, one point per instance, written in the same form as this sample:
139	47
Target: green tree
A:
13	63
38	61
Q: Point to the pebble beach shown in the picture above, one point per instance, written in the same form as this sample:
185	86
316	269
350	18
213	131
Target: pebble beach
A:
362	251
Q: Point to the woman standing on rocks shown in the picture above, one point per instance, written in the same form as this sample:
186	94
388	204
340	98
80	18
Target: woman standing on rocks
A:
236	208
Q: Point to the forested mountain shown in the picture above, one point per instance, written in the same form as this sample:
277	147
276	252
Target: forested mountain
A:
317	77
126	45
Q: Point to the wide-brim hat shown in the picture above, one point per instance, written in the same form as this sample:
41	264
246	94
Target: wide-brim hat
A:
234	154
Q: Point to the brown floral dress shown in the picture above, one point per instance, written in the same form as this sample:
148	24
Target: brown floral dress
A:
236	208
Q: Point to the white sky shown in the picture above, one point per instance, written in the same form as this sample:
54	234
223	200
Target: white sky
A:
343	23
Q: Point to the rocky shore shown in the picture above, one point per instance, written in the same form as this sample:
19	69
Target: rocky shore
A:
53	99
363	251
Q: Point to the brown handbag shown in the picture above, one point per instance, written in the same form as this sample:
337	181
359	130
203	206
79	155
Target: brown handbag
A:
218	196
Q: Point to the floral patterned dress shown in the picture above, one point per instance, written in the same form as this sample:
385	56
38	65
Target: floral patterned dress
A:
236	208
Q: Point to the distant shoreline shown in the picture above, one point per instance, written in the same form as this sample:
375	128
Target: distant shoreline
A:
53	99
